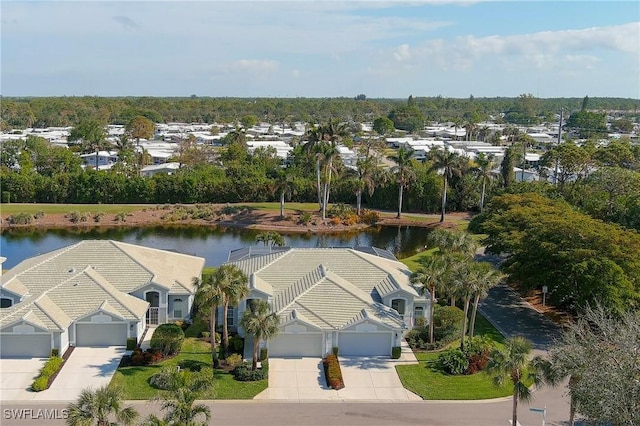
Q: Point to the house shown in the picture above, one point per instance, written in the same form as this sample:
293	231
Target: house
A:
358	299
105	158
167	168
93	293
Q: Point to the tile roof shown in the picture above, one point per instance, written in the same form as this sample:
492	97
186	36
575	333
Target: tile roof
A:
330	288
67	284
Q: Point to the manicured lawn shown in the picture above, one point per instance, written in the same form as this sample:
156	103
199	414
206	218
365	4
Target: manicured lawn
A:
413	262
134	380
431	384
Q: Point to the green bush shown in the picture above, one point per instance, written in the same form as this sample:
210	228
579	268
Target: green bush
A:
98	216
196	329
447	322
369	217
236	344
453	361
340	210
332	372
132	342
478	351
206	334
234	360
335	350
121	217
396	352
20	219
264	354
6	197
55	352
39	214
168	339
244	373
50	368
305	218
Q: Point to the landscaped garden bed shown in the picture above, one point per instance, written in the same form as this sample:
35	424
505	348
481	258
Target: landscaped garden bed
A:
194	356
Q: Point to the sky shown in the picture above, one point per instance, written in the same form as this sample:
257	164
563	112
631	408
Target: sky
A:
287	49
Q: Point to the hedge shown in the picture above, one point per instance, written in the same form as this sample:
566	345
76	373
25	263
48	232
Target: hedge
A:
167	338
332	372
244	373
50	368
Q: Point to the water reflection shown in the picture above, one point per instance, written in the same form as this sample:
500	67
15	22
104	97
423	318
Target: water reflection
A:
213	244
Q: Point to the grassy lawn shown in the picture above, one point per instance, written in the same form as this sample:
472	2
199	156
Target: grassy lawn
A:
413	262
431	384
134	380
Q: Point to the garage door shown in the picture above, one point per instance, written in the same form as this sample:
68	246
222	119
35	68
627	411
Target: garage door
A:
101	334
25	345
352	343
296	344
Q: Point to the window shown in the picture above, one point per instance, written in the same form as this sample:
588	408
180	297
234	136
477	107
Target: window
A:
5	302
177	308
418	312
398	305
230	316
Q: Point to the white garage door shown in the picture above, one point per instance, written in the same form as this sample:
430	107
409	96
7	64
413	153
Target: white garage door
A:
25	345
364	344
101	334
296	344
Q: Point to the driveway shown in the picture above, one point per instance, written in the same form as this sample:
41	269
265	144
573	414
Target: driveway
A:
16	376
365	378
86	368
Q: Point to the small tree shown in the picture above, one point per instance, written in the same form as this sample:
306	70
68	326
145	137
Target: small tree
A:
513	364
261	323
168	338
179	402
96	406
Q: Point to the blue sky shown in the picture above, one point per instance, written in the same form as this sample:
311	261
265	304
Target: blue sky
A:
389	49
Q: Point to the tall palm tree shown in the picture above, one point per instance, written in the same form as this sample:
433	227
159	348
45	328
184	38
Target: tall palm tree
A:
329	155
92	135
366	169
485	173
403	170
431	276
284	185
208	298
451	164
96	406
485	277
315	140
261	323
513	364
233	285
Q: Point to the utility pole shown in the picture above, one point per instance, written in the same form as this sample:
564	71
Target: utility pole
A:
555	174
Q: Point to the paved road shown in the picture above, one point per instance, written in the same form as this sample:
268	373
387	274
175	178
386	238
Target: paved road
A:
503	307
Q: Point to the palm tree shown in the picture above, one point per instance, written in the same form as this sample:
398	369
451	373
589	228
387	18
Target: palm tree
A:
92	135
328	156
485	277
404	173
365	179
284	184
513	363
179	402
233	285
270	238
208	297
431	277
451	164
316	139
261	323
98	405
557	369
485	173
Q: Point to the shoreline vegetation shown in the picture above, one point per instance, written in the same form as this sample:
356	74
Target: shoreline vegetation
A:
298	217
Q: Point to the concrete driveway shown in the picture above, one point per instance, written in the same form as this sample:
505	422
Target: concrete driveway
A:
16	376
365	378
85	368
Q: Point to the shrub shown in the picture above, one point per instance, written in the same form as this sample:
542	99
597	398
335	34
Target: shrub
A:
50	368
396	352
447	322
335	220
244	373
39	214
332	372
121	217
132	342
55	352
20	219
478	351
453	361
166	379
150	356
98	216
196	328
350	219
341	211
234	360
167	338
305	218
6	197
236	344
206	334
264	354
334	350
369	217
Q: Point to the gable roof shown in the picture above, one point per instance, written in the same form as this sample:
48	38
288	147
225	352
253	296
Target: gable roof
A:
329	287
94	275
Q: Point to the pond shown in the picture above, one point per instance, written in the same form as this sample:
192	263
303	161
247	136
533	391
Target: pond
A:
214	244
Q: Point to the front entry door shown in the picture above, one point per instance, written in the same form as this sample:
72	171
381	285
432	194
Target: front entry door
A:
153	297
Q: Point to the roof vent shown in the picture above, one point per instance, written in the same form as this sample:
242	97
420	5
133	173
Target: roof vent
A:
72	270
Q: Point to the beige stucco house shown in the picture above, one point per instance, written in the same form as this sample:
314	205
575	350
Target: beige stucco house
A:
93	293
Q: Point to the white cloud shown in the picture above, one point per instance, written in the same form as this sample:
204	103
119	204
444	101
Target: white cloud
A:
295	73
256	67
